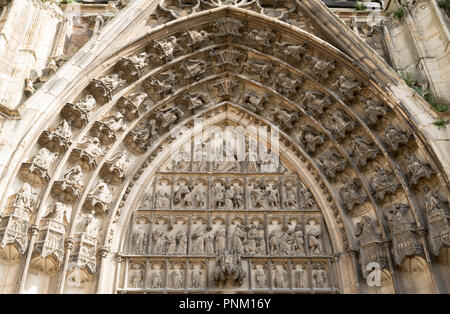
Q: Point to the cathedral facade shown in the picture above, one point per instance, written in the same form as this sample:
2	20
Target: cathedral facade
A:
224	146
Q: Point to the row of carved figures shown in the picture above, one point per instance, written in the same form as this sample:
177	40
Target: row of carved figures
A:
231	193
249	239
176	275
16	220
406	237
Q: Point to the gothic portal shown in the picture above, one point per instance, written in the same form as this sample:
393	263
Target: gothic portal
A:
106	183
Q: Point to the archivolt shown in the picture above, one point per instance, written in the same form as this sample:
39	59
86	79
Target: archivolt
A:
258	47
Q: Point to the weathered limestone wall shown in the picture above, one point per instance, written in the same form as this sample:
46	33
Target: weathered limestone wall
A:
419	45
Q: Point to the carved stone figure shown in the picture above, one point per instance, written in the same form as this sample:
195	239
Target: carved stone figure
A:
403	231
169	116
209	241
129	106
291	51
371	247
198	240
36	171
275	242
199	196
182	195
261	37
239	236
279	277
77	114
177	277
140	237
415	169
260	68
340	124
100	198
287	86
114	169
194	68
162	197
86	155
286	242
136	276
196	38
316	102
58	140
332	162
310	138
164	84
68	189
227	57
50	241
319	277
257	196
226	87
14	222
382	183
106	85
314	234
320	67
196	275
160	242
347	87
228	26
289	196
284	118
438	217
218	196
273	196
374	111
135	64
298	240
139	139
260	277
93	148
228	197
44	158
238	195
156	278
352	194
299	277
168	48
229	269
306	199
197	100
220	241
92	224
171	242
182	242
362	149
395	138
260	241
107	129
254	102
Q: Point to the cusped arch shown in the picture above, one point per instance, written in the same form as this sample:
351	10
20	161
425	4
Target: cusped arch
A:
342	82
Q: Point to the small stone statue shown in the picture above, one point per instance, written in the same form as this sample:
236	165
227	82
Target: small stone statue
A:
319	277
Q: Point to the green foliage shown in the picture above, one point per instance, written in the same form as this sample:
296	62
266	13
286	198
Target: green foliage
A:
360	7
444	4
399	13
437	106
441	123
